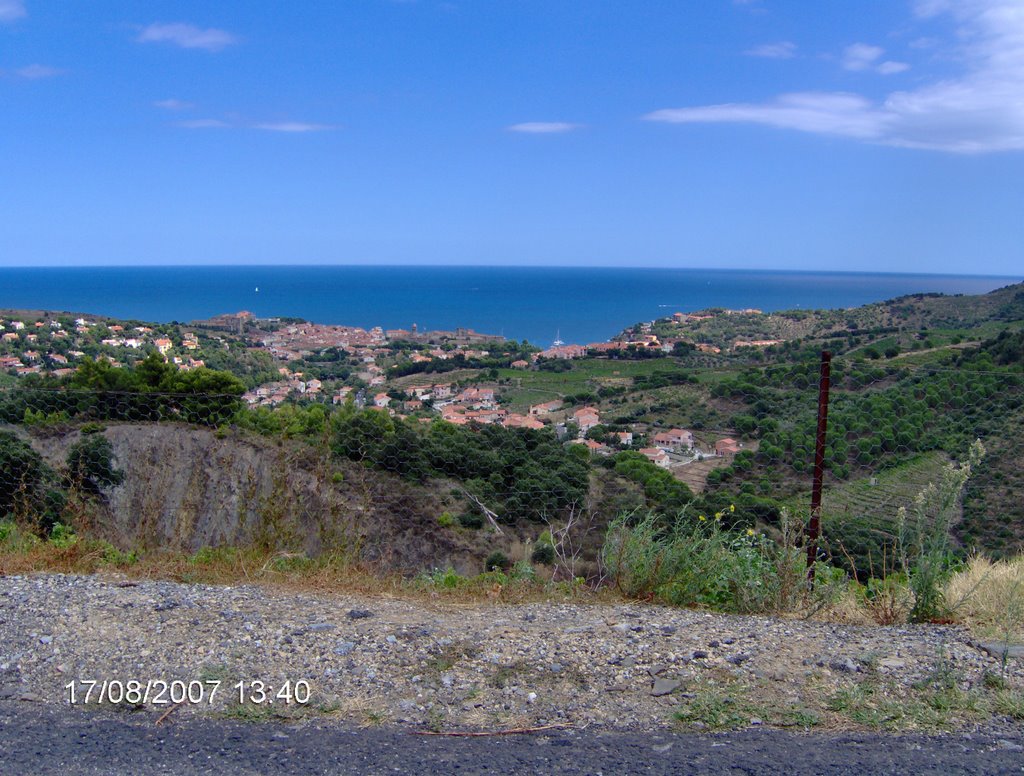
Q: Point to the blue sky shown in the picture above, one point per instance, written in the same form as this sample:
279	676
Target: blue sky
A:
876	135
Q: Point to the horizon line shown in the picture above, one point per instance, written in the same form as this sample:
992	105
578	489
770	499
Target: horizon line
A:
504	266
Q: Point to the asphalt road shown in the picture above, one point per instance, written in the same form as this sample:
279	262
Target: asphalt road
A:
38	739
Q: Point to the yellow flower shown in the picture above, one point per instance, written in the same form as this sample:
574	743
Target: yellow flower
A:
702	518
718	515
732	507
750	532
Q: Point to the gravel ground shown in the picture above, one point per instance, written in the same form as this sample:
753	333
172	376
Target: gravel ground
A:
370	660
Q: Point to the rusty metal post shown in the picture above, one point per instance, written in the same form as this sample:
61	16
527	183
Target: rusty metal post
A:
814	527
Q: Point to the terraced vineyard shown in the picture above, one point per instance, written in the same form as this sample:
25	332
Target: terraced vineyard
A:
856	515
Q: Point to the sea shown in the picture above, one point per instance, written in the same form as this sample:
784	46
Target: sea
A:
538	304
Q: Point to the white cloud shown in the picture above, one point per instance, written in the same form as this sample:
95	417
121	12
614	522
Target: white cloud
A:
12	10
173	104
293	126
891	68
781	50
187	36
543	127
828	113
861	56
235	123
980	110
35	72
204	124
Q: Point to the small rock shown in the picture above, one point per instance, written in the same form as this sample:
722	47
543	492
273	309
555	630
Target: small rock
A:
1000	648
320	626
391	639
359	614
756	721
665	687
344	648
844	666
657	669
1012	746
699	654
46	639
738	659
668	630
531	698
556	668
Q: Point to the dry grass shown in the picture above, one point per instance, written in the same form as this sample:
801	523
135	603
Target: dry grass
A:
988	596
327	574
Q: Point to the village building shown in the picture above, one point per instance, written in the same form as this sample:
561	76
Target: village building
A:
586	418
657	456
565	351
675	439
546	408
727	446
514	420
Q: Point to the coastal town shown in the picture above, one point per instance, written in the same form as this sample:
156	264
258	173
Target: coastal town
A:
460	376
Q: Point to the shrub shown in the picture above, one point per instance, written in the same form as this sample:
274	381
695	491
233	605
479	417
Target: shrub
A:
922	538
497	560
680	565
544	553
91	463
447	520
697	561
115	557
62	536
449	578
471	520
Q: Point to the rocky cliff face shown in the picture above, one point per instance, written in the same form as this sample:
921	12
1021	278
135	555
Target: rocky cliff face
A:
187	488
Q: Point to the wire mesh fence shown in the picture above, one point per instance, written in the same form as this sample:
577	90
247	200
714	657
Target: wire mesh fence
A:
436	477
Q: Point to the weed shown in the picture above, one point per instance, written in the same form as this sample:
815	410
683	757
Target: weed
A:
506	675
1009	704
62	537
375	717
714	708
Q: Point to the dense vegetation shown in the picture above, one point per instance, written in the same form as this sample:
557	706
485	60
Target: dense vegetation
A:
516	473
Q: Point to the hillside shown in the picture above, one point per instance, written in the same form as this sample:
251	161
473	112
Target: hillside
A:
410	452
187	488
905	319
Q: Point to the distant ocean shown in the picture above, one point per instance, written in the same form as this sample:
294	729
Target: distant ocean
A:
578	304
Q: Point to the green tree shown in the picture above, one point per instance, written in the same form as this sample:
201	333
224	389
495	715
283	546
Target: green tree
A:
91	465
